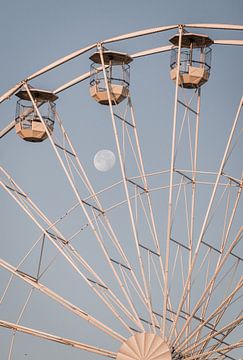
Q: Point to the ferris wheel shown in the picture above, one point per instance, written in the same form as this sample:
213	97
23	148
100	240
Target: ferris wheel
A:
144	261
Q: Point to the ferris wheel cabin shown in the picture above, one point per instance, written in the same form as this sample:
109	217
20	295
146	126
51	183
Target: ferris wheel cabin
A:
117	71
195	59
28	124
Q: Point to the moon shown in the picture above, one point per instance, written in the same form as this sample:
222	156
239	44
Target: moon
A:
104	160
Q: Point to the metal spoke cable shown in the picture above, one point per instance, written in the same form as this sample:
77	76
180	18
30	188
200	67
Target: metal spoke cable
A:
67	256
58	339
148	298
75	189
95	197
17	323
202	233
67	304
170	198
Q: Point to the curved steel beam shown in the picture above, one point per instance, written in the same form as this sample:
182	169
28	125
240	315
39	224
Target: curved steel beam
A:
215	26
136	34
127	36
228	42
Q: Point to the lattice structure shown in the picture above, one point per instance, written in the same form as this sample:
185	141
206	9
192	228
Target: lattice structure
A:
156	253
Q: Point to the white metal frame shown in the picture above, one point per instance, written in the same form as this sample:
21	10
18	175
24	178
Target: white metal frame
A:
176	326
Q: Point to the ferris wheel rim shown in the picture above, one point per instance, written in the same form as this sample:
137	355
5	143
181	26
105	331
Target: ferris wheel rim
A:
127	36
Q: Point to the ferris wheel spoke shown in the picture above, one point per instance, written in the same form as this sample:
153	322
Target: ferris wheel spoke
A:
7	129
191	112
230	326
79	168
81	202
205	222
127	295
124	178
99	288
188	111
127	265
70	254
230	281
220	315
230	255
224	349
68	305
150	216
151	225
18	266
222	307
18	321
220	265
104	219
216	207
162	256
170	197
87	75
222	312
222	339
126	278
145	195
180	189
232	270
206	303
58	339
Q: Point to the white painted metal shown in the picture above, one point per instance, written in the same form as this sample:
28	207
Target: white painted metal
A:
73	186
228	42
166	285
152	51
85	76
71	307
191	330
183	297
117	38
7	128
215	26
146	289
10	92
60	62
59	339
72	251
217	352
225	303
114	237
140	33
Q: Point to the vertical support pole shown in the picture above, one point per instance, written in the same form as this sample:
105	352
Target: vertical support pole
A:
146	288
192	217
171	186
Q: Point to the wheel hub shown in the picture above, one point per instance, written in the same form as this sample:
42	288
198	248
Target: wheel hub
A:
144	346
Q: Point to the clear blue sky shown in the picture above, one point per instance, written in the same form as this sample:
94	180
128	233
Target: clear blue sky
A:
36	33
